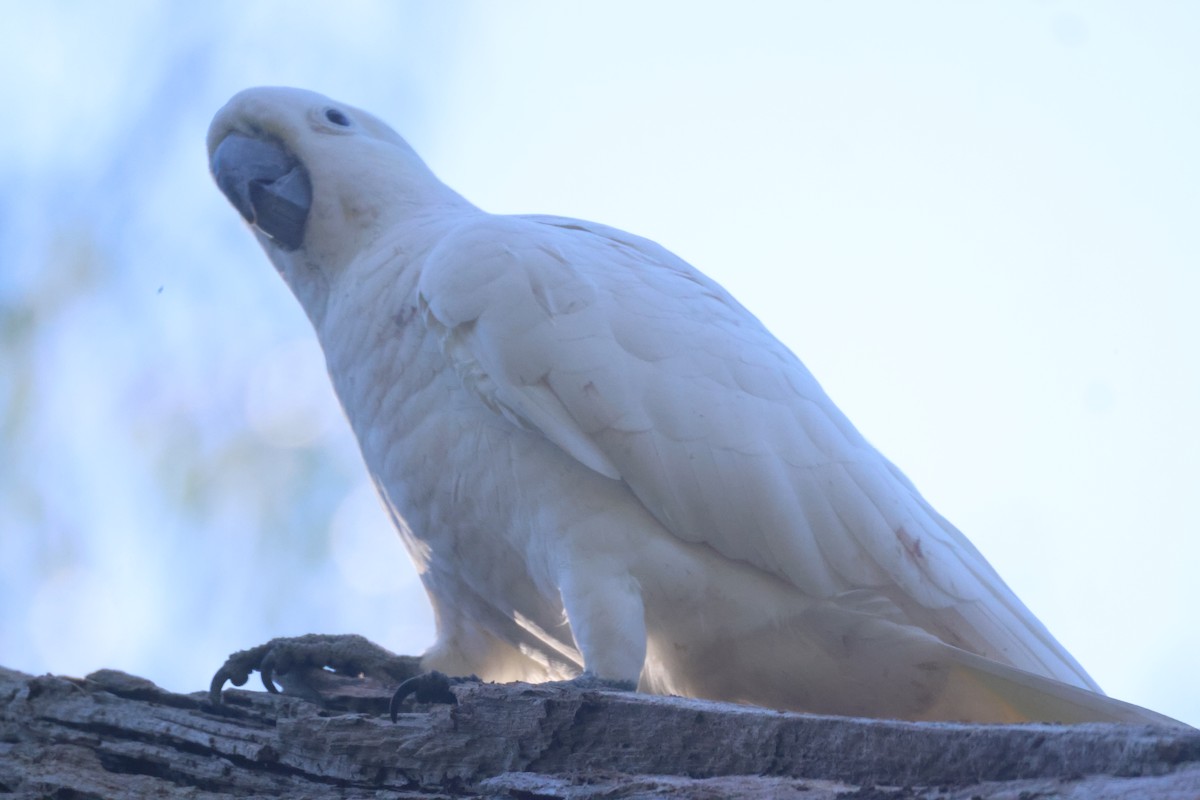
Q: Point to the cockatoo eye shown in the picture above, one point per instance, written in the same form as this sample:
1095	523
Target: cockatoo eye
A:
337	117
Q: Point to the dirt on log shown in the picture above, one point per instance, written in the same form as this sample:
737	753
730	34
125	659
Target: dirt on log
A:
112	735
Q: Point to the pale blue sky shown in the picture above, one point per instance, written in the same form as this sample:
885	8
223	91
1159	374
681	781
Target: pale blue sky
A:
976	223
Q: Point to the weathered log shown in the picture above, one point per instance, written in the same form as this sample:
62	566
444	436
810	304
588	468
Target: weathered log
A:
113	735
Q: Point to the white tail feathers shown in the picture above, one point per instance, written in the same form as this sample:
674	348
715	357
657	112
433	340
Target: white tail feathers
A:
981	690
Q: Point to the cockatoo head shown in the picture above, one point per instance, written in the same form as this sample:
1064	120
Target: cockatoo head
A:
318	180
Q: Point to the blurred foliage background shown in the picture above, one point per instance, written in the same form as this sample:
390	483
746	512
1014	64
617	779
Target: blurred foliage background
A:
176	477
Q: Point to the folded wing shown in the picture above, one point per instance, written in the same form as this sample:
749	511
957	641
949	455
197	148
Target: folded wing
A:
648	372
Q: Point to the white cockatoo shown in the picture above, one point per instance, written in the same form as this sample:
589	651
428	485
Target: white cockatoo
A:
603	465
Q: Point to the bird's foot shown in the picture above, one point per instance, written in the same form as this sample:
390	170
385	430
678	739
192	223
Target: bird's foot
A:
589	680
304	664
428	687
434	687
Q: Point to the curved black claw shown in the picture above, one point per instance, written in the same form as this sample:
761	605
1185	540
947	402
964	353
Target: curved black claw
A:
344	654
428	687
237	669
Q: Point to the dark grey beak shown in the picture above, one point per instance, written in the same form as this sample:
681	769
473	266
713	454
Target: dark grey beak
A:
266	184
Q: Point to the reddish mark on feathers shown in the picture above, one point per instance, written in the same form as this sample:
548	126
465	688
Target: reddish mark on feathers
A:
590	389
910	543
404	316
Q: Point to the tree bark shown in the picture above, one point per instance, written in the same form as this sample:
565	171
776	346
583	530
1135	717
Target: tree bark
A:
112	735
